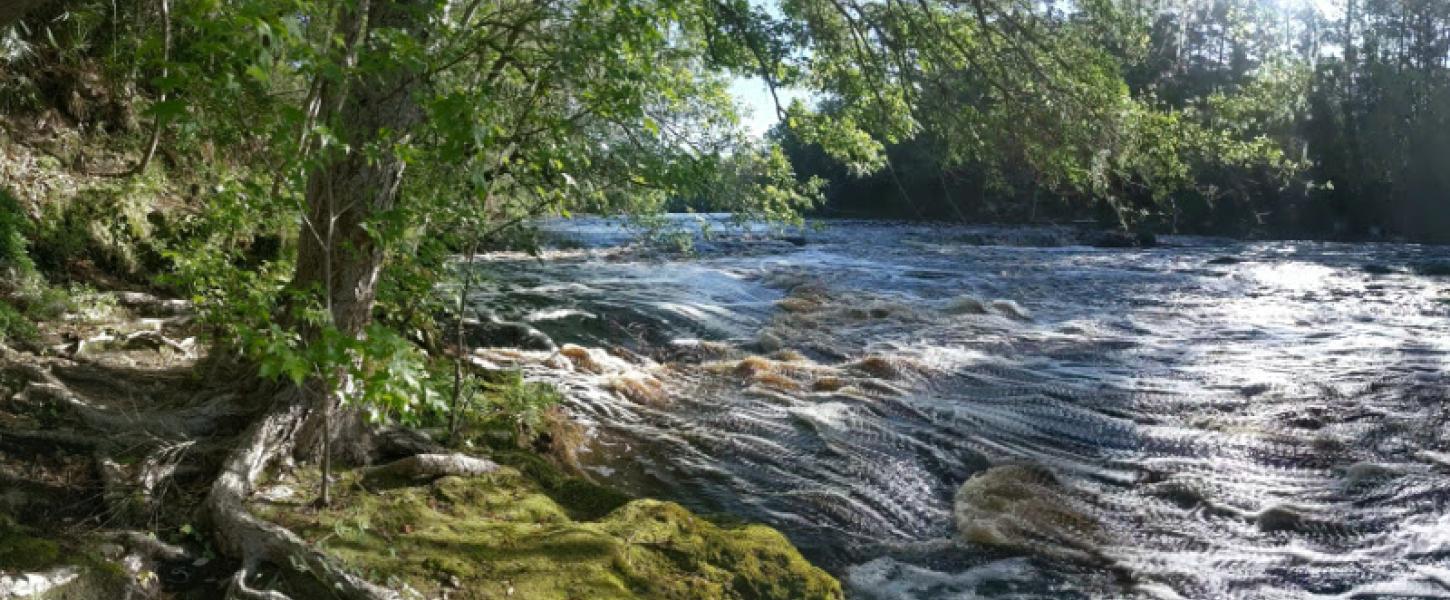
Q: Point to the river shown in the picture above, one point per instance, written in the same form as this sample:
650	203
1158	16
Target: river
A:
1205	419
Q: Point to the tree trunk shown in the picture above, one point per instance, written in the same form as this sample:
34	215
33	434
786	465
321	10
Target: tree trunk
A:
339	260
337	255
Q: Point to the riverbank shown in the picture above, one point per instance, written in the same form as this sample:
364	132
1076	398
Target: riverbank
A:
96	526
116	416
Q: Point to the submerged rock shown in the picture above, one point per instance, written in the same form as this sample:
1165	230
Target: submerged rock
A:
966	305
639	388
1434	268
1123	239
1279	518
1369	472
886	367
497	333
796	304
1023	507
693	350
768	342
1011	309
594	360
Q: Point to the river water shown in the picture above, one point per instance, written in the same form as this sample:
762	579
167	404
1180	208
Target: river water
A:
1206	419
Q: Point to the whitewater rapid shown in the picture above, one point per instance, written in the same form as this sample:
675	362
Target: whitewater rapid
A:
971	412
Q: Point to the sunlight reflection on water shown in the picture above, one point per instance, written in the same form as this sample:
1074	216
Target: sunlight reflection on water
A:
1256	420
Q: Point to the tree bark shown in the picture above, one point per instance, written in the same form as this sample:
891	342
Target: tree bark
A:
359	177
159	122
337	255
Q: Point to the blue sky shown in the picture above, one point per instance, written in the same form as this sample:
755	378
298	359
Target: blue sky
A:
758	110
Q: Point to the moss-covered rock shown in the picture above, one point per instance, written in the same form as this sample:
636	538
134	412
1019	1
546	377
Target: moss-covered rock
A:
502	535
21	550
35	566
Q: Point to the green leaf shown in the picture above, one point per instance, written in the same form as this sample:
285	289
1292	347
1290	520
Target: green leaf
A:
258	74
167	110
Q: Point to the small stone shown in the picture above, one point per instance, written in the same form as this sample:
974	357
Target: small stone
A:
276	493
111	551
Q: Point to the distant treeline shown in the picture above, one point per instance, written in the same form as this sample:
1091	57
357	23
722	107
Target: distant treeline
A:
1358	99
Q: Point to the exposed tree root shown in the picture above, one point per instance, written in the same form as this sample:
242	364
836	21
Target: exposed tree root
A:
146	339
255	540
133	492
17	439
170	440
431	466
153	306
148	546
181	424
401	442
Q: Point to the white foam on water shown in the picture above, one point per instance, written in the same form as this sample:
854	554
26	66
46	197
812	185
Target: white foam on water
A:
558	313
832	415
1424	583
886	578
1270	429
1427	535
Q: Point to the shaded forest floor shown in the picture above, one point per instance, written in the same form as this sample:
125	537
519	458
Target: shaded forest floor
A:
116	422
113	425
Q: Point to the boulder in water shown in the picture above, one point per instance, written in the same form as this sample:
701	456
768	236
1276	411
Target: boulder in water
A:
1279	518
1369	472
1023	507
1124	239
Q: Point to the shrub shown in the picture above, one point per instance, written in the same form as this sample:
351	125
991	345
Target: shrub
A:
14	226
14	326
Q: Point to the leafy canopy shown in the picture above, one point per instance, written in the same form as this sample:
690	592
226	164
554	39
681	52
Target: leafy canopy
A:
551	107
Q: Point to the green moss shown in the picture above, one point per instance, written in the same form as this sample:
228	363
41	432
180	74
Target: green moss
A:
20	550
505	531
26	550
583	500
112	225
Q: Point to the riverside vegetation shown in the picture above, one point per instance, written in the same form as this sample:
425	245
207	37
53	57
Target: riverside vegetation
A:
237	234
